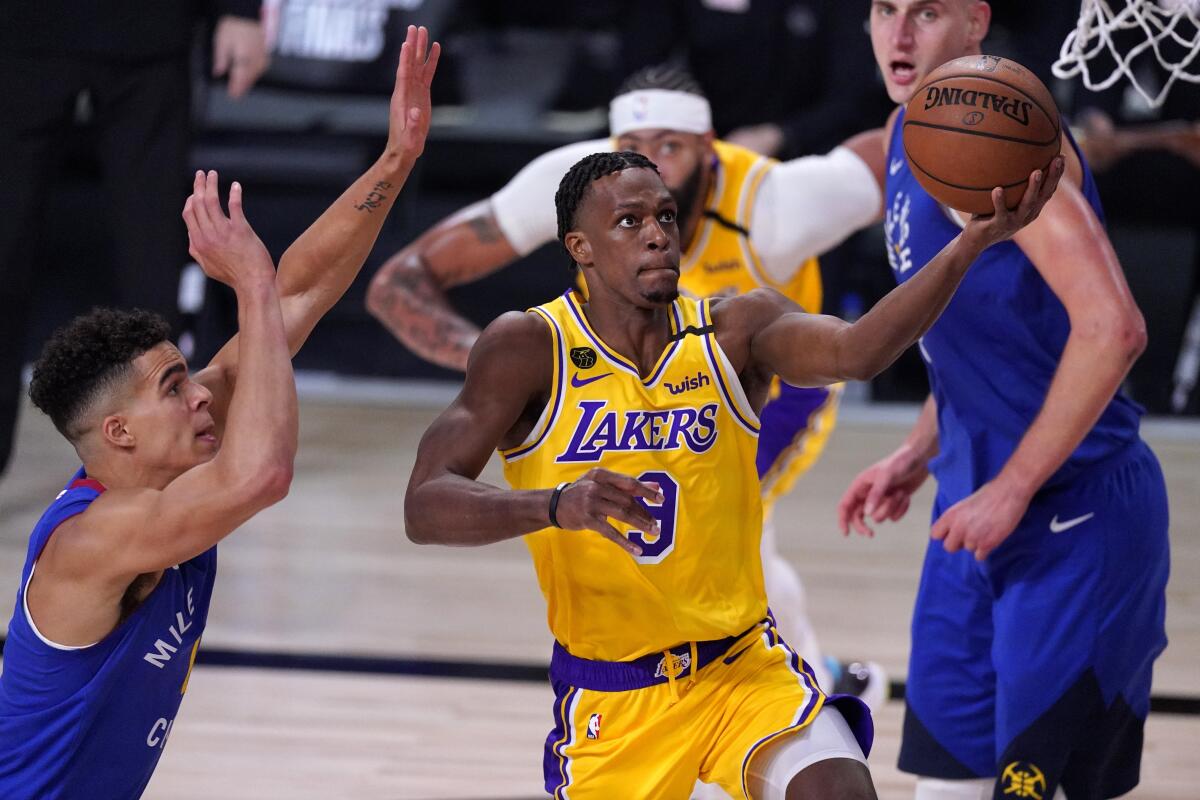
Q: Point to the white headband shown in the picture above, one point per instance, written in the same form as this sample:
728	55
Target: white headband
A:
667	109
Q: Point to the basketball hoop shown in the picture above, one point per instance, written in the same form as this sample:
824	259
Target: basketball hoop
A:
1172	35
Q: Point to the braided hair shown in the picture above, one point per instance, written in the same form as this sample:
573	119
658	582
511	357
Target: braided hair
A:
579	178
661	76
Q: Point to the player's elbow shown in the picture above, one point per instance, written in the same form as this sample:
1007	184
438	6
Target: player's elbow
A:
1121	333
273	483
416	521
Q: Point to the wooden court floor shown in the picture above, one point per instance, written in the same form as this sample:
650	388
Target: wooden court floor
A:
329	574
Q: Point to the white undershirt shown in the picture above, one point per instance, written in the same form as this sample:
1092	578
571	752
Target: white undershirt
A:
804	207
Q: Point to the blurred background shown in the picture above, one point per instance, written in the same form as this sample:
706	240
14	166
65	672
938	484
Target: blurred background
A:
789	77
336	650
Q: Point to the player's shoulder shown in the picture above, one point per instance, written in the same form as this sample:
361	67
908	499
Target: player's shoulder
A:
761	304
512	337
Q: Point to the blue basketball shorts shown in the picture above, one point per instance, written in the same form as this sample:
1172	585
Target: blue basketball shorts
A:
1034	666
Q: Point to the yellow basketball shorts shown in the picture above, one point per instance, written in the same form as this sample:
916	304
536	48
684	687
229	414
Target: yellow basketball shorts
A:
650	727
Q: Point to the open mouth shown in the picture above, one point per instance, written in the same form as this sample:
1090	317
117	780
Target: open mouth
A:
902	72
208	433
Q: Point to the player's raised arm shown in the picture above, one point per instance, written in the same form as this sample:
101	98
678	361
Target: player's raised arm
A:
320	265
808	350
507	384
129	531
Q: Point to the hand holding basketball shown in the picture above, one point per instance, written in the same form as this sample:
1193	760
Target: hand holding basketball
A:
1002	224
410	107
225	247
976	123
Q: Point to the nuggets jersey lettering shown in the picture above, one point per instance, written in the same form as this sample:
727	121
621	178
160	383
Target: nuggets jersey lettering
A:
92	721
992	354
686	426
721	259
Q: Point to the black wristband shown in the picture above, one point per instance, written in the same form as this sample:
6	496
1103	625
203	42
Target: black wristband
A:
554	496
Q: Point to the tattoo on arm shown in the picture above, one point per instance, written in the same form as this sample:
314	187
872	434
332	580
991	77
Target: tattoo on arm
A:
485	229
375	198
418	315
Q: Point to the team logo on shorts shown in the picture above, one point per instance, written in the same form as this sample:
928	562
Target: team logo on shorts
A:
673	666
593	731
1023	779
583	357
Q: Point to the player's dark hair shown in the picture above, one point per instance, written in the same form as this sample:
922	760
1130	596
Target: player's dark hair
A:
579	178
661	76
88	355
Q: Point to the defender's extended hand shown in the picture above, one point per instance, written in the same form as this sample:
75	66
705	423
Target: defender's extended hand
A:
588	503
410	107
882	491
225	247
989	229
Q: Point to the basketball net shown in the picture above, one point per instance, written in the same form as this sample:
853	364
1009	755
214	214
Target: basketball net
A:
1172	35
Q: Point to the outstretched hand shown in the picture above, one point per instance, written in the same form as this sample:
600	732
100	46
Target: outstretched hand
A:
1003	224
410	108
225	247
588	503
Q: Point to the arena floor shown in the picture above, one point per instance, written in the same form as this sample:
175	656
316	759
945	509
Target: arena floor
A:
327	627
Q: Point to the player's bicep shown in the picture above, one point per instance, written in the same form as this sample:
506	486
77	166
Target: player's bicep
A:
802	349
464	247
1069	247
509	367
129	532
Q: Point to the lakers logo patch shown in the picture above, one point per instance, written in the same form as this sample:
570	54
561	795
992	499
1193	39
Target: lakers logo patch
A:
583	357
673	666
1023	779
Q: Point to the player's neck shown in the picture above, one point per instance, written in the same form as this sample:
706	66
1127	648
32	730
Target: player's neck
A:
122	472
638	333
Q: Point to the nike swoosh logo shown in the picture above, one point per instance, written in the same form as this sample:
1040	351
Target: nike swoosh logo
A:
737	655
1067	524
895	166
579	384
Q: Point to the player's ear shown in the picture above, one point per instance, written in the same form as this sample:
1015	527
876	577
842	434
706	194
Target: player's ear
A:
579	248
980	17
116	432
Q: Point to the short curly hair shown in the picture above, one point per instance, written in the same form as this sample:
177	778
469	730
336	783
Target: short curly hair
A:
575	184
87	356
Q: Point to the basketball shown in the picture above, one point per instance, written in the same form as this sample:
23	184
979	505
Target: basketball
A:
977	123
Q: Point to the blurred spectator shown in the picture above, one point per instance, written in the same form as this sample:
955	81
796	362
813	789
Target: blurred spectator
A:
124	66
785	77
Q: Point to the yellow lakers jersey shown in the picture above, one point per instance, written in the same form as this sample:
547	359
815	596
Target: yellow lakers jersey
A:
720	259
686	426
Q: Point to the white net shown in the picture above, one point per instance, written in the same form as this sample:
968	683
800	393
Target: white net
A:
1116	38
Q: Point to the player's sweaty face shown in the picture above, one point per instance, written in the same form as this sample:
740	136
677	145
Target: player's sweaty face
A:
911	38
679	156
629	222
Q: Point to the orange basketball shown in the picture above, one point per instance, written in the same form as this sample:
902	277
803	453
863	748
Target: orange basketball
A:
977	123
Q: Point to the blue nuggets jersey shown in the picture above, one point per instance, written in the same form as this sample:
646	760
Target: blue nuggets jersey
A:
993	352
92	721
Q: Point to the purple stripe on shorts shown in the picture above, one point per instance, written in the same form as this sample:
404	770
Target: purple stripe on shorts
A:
553	764
784	420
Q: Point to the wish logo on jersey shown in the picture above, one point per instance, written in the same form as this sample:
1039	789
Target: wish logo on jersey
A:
599	431
895	228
